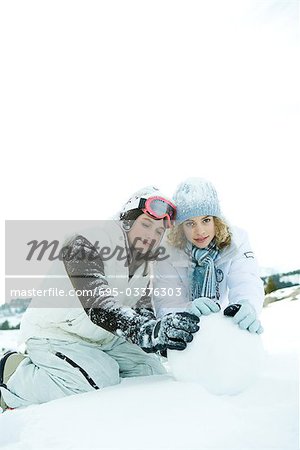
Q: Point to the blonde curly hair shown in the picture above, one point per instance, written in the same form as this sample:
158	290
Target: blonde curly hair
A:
177	238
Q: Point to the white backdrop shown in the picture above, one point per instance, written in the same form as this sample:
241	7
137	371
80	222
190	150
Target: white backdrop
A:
101	98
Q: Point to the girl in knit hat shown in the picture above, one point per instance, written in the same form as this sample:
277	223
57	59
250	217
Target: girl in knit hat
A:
211	264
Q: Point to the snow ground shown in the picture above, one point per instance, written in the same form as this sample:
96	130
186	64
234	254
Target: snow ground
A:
159	412
9	341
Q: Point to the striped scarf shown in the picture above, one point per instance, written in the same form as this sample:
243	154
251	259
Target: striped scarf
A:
204	280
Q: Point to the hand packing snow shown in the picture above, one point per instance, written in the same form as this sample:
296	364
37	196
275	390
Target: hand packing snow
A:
222	357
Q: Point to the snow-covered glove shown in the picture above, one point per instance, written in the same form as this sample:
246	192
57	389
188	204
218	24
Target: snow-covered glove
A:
244	315
172	332
203	305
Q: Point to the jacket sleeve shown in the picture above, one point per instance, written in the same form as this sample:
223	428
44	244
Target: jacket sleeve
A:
85	269
170	293
244	281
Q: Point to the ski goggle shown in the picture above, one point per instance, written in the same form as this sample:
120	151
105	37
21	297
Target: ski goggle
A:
159	208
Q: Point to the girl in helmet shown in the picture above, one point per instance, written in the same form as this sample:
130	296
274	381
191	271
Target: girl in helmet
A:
108	329
211	264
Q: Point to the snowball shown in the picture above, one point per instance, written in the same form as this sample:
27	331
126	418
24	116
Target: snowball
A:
222	357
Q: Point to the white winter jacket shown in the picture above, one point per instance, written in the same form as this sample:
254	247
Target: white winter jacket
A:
64	317
237	274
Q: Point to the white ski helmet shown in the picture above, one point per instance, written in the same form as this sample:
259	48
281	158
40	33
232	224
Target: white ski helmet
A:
151	201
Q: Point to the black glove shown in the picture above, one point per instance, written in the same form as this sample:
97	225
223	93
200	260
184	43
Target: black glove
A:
231	310
245	316
173	331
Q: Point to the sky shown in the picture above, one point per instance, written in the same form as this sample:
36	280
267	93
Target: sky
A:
101	98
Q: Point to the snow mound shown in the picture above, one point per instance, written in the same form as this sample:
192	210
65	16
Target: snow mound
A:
157	412
222	358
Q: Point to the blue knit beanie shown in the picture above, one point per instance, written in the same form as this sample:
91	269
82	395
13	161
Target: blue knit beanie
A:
196	197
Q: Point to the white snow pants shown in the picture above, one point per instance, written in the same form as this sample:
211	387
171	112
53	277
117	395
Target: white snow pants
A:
55	368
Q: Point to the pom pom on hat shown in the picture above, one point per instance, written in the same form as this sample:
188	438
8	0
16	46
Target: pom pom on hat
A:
196	197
